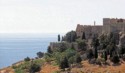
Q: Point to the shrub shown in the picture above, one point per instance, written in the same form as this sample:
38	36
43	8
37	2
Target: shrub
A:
62	47
78	58
92	61
81	44
70	36
19	70
71	60
115	59
64	63
47	57
49	50
90	54
27	59
40	54
34	68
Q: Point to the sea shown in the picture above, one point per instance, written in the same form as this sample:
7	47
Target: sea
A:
16	47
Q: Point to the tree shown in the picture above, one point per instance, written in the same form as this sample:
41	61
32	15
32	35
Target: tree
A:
83	35
81	44
27	59
122	50
71	36
64	63
58	37
34	68
105	55
63	38
95	44
96	53
72	46
62	47
40	54
90	54
49	50
71	60
78	59
115	59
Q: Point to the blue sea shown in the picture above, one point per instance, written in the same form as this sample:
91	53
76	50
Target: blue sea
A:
14	48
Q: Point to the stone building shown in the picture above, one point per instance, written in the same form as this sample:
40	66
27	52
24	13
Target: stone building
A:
109	25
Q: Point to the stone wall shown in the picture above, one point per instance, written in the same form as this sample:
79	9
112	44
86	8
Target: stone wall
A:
79	30
108	21
57	45
109	25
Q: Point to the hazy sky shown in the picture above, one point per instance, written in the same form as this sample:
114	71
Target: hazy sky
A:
55	16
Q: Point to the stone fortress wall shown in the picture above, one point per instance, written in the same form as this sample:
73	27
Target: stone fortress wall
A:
109	25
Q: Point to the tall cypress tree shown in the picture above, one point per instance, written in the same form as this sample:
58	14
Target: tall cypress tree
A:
95	44
96	53
83	35
58	37
105	55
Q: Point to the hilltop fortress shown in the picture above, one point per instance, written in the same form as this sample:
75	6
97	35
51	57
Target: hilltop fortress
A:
109	25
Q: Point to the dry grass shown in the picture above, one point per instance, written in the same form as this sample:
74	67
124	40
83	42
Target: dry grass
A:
90	68
7	70
87	68
48	68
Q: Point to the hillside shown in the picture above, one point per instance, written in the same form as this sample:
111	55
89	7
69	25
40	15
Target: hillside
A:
101	53
86	68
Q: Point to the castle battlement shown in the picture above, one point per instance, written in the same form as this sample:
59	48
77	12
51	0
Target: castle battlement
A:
109	25
110	21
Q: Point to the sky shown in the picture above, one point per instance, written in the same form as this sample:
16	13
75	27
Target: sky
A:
55	16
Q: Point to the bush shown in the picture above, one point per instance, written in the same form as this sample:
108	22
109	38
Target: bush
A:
19	70
40	54
47	57
27	59
78	58
71	60
81	44
64	63
100	61
34	68
29	66
90	54
115	59
70	36
49	50
92	61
